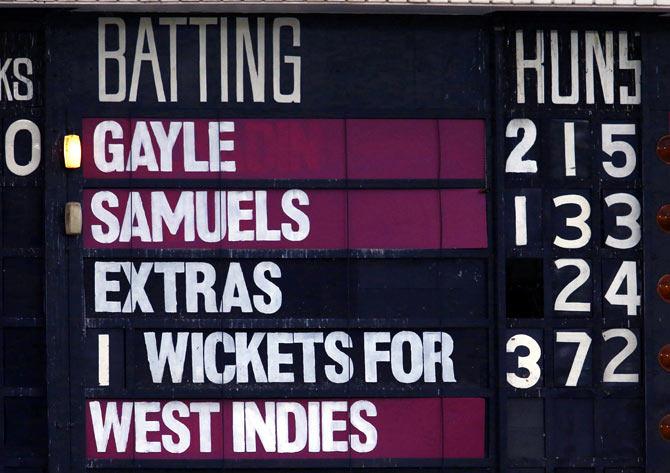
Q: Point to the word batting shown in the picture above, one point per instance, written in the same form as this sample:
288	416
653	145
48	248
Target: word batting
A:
164	35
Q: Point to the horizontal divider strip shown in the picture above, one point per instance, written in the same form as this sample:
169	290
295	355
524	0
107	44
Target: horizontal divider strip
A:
198	184
158	253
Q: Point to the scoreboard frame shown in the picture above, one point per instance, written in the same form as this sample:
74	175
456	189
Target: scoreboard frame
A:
68	101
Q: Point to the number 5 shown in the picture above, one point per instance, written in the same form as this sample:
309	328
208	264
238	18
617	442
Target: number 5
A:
611	146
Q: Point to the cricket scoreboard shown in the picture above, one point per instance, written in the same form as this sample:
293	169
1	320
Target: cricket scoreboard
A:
335	242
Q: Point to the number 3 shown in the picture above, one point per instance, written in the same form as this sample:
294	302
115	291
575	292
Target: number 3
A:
528	362
629	221
578	222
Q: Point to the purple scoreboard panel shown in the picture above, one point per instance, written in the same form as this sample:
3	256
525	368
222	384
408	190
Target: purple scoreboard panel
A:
382	243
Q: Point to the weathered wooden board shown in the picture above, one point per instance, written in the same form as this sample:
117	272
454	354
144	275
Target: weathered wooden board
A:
334	242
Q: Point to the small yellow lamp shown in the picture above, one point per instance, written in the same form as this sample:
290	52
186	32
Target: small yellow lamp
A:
72	151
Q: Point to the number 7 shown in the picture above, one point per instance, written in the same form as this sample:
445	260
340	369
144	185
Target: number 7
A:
584	343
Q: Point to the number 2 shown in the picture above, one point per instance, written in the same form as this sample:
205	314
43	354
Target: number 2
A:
609	376
562	302
515	162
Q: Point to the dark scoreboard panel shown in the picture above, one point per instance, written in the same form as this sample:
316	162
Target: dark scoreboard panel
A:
341	242
571	250
286	258
23	359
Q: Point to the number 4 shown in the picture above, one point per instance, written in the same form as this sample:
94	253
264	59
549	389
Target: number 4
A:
630	298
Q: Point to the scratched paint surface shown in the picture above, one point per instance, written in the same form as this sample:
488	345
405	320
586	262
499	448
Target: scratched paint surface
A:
333	242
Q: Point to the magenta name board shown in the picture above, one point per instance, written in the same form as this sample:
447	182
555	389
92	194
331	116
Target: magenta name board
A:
117	148
300	429
285	219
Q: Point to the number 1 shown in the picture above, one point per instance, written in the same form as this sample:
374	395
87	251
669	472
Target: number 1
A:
570	162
